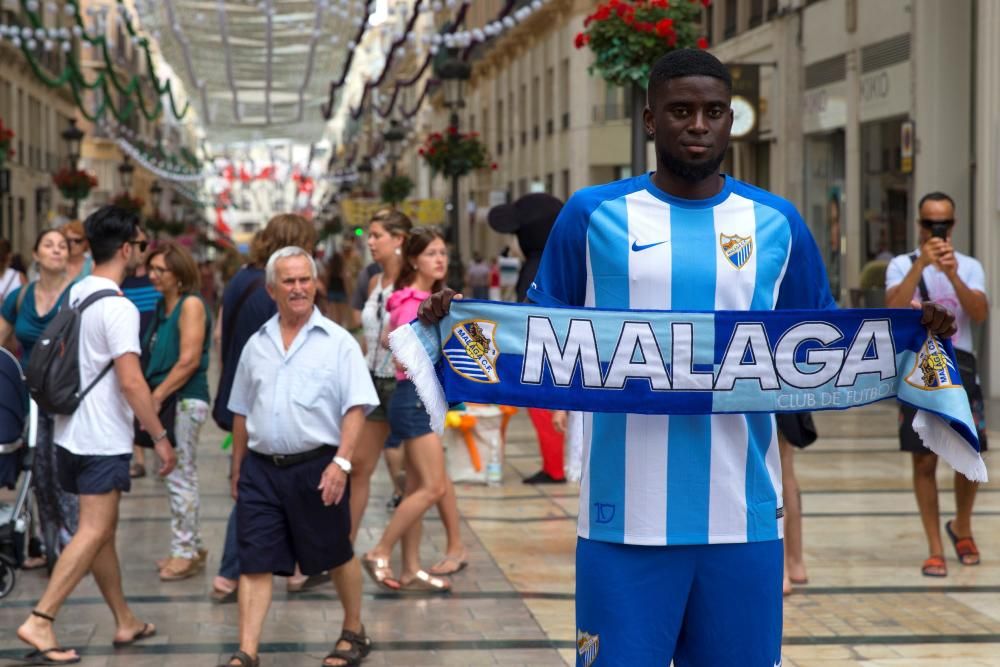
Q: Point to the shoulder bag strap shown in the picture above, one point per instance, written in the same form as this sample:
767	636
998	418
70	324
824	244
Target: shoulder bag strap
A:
86	303
924	294
20	298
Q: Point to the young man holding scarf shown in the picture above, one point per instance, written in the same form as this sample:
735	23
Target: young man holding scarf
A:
679	555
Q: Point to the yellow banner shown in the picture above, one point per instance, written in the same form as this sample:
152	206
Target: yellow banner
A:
357	212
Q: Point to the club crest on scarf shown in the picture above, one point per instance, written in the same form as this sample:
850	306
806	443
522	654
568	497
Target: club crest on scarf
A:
472	352
588	646
737	249
933	368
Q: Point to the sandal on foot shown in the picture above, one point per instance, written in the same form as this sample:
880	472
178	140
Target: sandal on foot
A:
965	547
224	597
136	470
449	565
380	572
308	583
934	567
146	632
243	658
40	657
424	583
177	569
361	646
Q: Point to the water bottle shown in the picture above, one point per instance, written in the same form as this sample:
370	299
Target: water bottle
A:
494	468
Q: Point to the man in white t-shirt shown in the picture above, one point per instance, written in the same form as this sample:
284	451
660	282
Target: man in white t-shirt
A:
939	273
94	444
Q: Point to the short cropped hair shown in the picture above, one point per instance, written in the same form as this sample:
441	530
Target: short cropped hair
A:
935	196
108	229
285	253
686	62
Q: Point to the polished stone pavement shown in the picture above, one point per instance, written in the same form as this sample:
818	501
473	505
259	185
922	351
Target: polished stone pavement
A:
866	603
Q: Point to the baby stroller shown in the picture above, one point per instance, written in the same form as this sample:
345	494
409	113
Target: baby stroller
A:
15	458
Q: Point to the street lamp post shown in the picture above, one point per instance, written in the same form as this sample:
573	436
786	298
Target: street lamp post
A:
155	195
73	135
365	172
454	72
393	138
125	171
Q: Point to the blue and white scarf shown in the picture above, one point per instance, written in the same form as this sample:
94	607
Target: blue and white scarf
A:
659	362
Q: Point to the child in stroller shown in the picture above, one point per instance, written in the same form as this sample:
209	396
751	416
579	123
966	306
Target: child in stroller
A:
15	459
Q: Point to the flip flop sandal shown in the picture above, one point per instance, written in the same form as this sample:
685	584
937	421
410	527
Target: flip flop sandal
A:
964	546
146	632
424	583
361	646
449	565
224	597
380	572
40	657
243	658
933	563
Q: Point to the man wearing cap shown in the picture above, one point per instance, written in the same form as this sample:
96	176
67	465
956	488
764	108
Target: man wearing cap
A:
299	398
531	218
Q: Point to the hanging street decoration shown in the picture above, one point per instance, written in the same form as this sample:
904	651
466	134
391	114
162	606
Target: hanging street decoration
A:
33	38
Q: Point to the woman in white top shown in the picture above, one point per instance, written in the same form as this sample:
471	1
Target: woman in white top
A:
10	278
387	232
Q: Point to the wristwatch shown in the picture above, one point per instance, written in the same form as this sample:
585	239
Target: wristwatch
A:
343	464
162	436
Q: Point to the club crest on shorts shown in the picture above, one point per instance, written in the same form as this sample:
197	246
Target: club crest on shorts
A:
933	368
472	352
737	249
587	646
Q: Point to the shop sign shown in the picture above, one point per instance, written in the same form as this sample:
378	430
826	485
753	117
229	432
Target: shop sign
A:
824	107
358	212
884	92
906	147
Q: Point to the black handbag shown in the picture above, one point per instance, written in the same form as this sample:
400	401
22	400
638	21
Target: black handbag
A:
168	417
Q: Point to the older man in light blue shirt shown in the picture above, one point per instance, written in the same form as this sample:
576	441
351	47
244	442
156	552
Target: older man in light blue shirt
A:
299	398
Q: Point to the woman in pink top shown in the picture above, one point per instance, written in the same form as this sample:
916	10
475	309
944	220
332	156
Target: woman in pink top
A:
424	268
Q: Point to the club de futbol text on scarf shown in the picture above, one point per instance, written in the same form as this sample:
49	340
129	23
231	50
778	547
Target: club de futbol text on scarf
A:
659	362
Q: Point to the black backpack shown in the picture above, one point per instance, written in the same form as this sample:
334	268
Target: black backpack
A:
53	371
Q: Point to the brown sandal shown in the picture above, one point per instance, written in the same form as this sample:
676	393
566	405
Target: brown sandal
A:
381	572
424	583
243	659
449	565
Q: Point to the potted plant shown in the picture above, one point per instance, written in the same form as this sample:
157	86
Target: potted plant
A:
626	38
454	153
6	143
74	184
396	189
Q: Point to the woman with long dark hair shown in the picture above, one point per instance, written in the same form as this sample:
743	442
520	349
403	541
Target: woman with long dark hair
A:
425	264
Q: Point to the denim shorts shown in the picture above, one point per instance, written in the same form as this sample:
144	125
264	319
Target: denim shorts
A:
407	417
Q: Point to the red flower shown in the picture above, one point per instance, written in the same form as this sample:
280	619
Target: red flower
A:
629	19
622	10
672	39
431	151
661	4
645	26
421	151
452	130
603	13
702	43
581	40
494	166
706	3
664	27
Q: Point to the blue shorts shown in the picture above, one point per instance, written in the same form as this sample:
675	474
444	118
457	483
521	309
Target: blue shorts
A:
281	519
407	416
699	605
92	475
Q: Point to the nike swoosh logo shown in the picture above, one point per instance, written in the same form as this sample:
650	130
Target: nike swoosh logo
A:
637	248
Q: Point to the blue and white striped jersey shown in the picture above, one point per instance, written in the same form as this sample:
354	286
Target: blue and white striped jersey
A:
701	479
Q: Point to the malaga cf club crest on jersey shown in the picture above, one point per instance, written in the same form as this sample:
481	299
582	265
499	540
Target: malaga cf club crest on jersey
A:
587	646
933	367
472	352
737	249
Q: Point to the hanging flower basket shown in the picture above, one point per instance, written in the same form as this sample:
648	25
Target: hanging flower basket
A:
454	153
627	37
74	184
155	224
128	202
6	143
396	189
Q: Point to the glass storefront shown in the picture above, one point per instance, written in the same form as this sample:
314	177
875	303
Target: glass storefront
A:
885	191
824	199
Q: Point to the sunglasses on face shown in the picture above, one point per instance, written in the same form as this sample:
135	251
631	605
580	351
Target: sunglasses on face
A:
73	241
142	245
